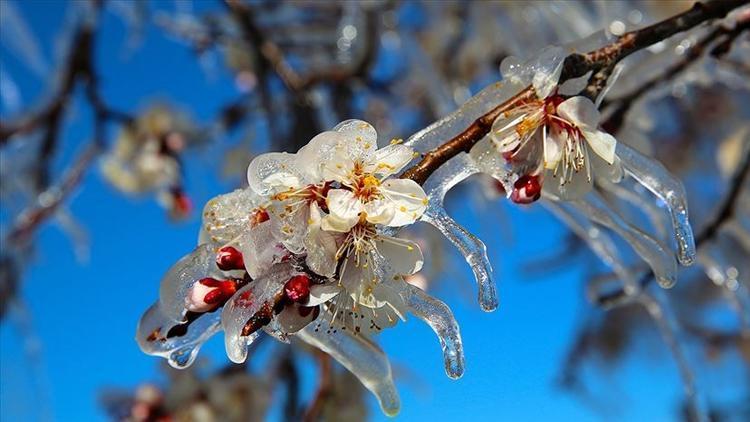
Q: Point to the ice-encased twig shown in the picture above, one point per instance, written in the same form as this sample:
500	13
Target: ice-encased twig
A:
360	356
660	260
152	336
439	317
652	174
657	305
600	243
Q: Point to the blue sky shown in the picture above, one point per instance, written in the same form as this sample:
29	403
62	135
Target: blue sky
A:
84	313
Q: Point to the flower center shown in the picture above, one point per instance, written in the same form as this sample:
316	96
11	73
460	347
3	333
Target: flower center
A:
366	187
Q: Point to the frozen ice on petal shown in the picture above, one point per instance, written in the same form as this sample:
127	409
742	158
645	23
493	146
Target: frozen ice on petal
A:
179	343
389	160
260	249
255	297
272	172
360	356
181	276
440	318
321	148
320	245
294	318
227	216
661	261
652	174
547	68
361	137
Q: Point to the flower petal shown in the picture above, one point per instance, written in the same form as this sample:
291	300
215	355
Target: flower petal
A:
273	172
602	143
408	200
311	157
344	210
389	160
339	167
322	293
320	245
294	318
552	147
359	279
404	256
379	211
580	111
361	138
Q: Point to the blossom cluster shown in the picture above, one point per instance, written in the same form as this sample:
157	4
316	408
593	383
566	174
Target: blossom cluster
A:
308	249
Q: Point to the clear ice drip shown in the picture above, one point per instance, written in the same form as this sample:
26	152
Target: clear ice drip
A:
660	260
652	174
600	243
439	317
360	356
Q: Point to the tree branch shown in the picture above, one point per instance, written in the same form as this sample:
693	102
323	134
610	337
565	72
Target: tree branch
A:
600	62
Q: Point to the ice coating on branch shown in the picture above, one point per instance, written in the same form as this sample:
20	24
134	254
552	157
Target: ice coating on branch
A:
179	343
257	296
440	318
600	243
361	357
181	276
660	260
652	174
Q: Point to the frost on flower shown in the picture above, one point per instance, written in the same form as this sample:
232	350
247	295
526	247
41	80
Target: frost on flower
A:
308	249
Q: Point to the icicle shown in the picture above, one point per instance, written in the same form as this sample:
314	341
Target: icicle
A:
659	309
440	318
660	260
652	174
360	356
472	249
631	194
601	244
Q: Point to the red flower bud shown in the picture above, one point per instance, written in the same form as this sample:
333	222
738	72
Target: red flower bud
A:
526	190
229	258
209	293
297	289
